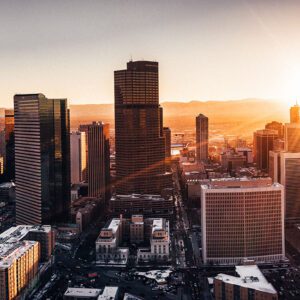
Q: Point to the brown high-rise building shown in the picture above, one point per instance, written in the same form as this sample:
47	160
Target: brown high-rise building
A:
98	160
140	144
263	142
201	138
295	114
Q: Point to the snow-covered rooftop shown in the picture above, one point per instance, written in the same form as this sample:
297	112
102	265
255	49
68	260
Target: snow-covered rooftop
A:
250	277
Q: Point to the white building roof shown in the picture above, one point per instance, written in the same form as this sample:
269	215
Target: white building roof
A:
114	225
82	292
9	252
17	233
109	293
250	277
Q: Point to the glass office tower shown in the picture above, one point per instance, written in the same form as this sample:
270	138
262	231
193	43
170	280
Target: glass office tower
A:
140	144
42	158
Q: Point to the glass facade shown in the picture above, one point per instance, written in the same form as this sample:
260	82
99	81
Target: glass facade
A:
140	144
42	159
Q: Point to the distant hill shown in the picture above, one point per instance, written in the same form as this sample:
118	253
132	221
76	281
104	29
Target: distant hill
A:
241	116
245	115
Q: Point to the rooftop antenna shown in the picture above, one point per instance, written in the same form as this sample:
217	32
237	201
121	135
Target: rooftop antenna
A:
130	57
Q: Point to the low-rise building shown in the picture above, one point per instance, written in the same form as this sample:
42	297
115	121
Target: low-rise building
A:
84	210
137	229
107	244
43	234
108	293
250	284
18	267
159	249
148	205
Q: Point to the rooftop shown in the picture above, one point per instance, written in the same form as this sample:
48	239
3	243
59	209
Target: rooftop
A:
109	292
82	292
17	233
9	252
249	277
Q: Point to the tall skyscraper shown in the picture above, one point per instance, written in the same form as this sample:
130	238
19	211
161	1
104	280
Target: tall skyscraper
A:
285	169
9	145
42	156
84	128
295	114
140	145
201	138
242	219
263	142
78	156
98	160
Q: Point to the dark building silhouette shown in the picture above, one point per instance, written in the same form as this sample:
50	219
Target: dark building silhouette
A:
263	143
9	145
201	138
42	156
279	127
140	144
167	135
98	160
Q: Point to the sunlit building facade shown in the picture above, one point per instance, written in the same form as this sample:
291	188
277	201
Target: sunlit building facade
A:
263	142
78	156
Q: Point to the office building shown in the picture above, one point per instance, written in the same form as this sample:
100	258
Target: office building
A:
45	235
159	249
263	142
98	160
295	114
279	127
285	169
108	293
18	267
249	284
201	138
9	160
292	137
147	205
108	248
78	157
231	160
42	158
140	144
242	218
167	135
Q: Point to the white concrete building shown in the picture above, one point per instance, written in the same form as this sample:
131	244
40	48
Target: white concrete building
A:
78	156
107	244
159	249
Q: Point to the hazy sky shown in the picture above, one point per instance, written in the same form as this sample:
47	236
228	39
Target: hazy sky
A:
207	49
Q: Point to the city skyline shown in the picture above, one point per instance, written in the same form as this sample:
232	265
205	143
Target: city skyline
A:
245	49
